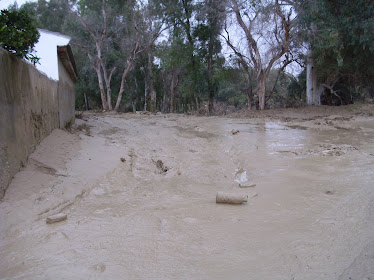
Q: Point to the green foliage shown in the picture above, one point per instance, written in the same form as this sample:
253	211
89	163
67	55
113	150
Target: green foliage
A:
49	15
232	87
18	34
341	37
297	88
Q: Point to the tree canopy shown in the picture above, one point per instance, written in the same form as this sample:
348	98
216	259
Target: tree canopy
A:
341	37
18	33
187	55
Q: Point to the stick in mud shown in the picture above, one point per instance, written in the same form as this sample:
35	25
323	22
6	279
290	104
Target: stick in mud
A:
247	186
230	198
56	218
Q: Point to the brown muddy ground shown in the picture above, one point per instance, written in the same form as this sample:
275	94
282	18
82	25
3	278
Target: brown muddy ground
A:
139	191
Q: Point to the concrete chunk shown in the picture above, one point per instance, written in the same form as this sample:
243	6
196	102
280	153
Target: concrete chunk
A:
56	218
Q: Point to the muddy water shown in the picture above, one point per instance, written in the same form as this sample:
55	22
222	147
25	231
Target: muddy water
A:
310	215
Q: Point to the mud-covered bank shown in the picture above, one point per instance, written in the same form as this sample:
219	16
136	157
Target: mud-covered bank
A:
139	191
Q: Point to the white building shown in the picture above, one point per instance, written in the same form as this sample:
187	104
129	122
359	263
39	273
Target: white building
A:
50	47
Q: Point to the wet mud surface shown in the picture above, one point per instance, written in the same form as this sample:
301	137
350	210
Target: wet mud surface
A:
139	192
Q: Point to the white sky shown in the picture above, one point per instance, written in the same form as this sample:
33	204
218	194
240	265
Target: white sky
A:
5	3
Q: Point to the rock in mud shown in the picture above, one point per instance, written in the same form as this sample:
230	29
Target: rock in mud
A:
231	198
56	218
234	131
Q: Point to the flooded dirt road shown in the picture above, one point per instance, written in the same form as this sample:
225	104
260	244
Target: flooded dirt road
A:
139	192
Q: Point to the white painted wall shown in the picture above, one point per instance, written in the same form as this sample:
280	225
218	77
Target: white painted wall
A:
46	50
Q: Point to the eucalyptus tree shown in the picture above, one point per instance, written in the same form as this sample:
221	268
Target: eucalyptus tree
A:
183	63
186	67
50	15
267	29
193	38
211	16
154	25
174	59
108	31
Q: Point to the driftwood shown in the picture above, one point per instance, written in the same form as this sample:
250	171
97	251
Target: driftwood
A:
230	198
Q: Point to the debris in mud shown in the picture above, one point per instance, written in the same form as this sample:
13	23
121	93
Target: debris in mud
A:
143	113
291	152
99	267
247	186
297	127
56	218
41	167
240	175
331	150
329	192
84	128
230	198
161	167
132	159
234	131
79	114
122	159
324	150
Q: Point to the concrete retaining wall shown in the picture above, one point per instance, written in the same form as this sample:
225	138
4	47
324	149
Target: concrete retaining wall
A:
66	97
30	109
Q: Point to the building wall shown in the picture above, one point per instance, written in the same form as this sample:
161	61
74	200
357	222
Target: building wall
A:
29	111
66	97
46	50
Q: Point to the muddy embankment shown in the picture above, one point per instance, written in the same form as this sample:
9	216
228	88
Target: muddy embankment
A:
140	191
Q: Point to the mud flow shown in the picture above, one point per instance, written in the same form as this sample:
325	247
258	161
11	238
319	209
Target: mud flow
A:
139	192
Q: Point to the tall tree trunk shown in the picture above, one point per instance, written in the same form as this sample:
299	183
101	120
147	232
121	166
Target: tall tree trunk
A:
127	70
109	98
164	98
249	99
249	91
107	84
210	77
122	88
211	102
101	86
172	91
313	89
86	101
173	88
133	107
261	90
135	99
146	92
152	92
